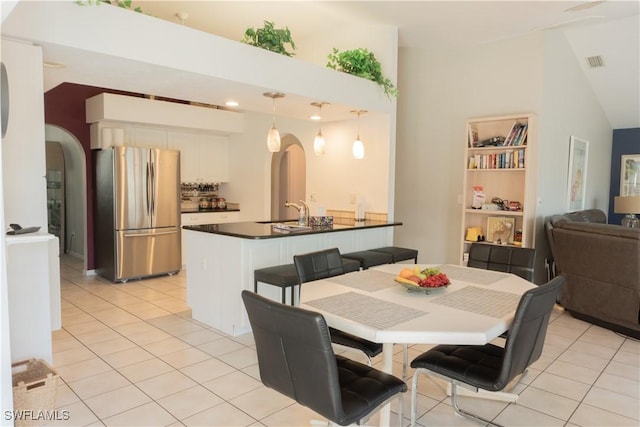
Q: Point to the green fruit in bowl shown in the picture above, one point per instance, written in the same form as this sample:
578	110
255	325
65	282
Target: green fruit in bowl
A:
430	271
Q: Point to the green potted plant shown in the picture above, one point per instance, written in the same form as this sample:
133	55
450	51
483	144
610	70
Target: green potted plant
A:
270	38
362	63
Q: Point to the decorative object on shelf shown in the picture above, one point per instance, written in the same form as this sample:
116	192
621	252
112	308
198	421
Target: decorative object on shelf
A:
270	38
273	137
500	230
630	206
495	141
358	146
362	63
630	175
319	144
577	177
478	197
125	4
474	234
514	206
517	238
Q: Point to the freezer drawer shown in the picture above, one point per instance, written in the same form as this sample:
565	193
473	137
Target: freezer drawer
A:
147	252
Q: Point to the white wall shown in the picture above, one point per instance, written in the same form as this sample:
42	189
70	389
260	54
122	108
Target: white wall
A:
569	108
439	92
332	177
24	162
23	187
537	73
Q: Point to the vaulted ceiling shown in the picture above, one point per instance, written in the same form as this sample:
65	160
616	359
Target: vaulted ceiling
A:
609	29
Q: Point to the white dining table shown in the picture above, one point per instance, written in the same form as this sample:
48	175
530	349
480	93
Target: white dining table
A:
475	308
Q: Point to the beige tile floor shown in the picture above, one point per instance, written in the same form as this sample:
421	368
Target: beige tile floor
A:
130	354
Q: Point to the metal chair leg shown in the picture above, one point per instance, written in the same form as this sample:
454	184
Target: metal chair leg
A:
414	395
465	414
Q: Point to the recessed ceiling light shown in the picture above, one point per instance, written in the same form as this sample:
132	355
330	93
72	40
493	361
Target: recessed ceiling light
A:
315	117
231	103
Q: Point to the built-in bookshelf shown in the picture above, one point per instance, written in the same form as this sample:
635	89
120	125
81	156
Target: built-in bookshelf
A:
499	194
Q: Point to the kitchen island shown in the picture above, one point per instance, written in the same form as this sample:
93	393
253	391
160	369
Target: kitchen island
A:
221	258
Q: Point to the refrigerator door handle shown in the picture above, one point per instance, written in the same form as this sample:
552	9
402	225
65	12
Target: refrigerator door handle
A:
150	234
152	185
148	188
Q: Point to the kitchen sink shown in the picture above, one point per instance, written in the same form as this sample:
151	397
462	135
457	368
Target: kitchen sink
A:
286	222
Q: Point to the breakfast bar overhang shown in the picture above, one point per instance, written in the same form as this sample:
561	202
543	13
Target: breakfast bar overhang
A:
221	258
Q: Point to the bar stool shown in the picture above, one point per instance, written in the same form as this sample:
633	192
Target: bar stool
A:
369	258
282	276
350	265
285	276
399	254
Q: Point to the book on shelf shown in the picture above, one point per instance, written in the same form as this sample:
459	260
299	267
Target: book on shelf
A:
473	135
521	139
509	138
509	159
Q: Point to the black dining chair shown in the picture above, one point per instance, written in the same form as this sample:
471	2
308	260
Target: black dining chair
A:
321	265
295	358
509	259
490	367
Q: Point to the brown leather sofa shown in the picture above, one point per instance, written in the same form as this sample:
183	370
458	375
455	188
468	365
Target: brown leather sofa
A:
601	266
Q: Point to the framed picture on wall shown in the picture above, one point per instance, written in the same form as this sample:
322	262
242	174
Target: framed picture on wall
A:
630	175
577	176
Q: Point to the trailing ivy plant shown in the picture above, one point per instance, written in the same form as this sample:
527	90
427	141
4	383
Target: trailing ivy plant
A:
270	38
126	4
362	63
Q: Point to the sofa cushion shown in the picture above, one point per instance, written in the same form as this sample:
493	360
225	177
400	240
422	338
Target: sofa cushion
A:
588	216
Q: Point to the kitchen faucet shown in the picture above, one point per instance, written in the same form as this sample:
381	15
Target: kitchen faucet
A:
303	212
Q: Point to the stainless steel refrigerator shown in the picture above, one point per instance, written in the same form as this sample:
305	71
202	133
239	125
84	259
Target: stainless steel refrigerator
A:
137	218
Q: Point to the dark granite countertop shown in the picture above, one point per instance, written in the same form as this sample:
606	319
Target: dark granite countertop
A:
264	230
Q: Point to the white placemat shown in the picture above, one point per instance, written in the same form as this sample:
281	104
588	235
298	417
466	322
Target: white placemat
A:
477	276
480	301
366	280
366	310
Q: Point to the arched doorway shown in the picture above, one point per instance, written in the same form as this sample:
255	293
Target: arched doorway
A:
288	178
74	240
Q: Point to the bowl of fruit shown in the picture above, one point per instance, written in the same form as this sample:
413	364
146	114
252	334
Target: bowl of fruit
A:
425	280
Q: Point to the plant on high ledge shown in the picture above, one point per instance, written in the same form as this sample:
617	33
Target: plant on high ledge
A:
362	63
125	4
270	38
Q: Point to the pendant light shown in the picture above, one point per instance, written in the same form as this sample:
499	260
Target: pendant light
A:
358	146
273	137
319	144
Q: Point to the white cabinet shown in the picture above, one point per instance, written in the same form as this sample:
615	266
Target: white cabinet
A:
33	288
203	157
108	134
502	168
